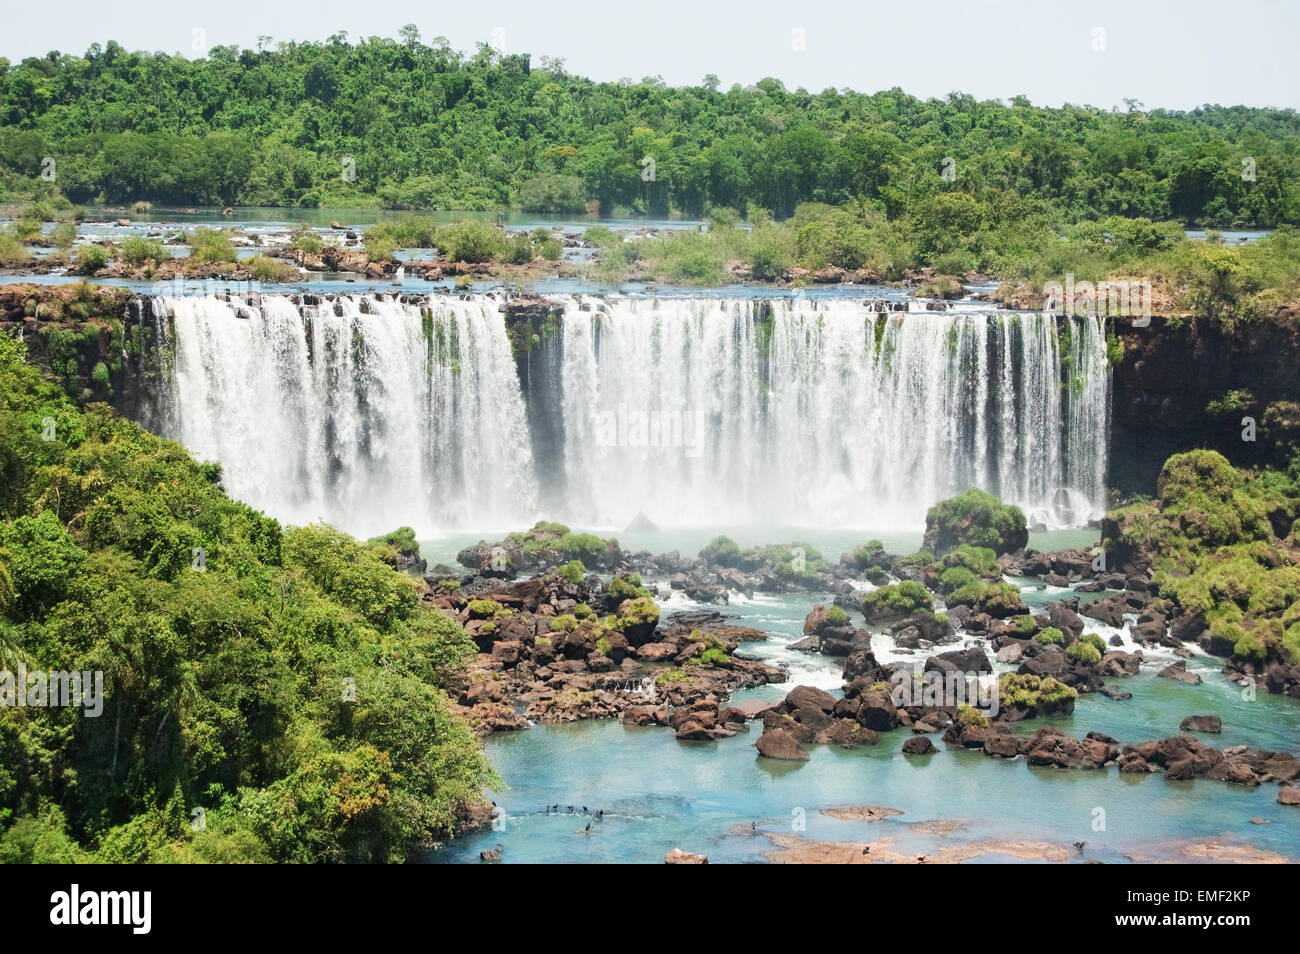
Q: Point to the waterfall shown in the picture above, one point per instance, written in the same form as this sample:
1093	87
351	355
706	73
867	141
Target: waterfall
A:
714	412
365	413
370	413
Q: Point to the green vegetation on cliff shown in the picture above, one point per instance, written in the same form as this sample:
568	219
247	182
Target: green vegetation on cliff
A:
270	693
1224	548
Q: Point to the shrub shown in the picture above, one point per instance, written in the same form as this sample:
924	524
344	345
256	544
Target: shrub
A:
981	561
266	269
601	236
1084	653
1050	635
713	656
637	612
136	250
305	240
572	572
472	242
906	597
520	251
955	578
486	609
976	518
626	587
12	252
211	245
1031	692
863	555
722	551
552	193
1095	641
91	258
836	616
970	594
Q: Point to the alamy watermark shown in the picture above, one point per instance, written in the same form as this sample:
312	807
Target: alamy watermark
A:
914	687
631	427
38	688
180	287
1130	299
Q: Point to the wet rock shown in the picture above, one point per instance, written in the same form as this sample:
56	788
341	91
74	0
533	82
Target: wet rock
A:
1011	652
1202	723
1002	746
809	696
878	711
780	744
847	734
693	731
1109	611
972	659
1049	662
1178	672
645	715
1120	664
919	745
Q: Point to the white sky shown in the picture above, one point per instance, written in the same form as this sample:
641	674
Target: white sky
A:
1172	54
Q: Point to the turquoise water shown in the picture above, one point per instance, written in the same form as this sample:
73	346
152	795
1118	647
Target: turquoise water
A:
658	793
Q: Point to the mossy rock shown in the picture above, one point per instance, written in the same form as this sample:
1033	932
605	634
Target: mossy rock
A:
977	519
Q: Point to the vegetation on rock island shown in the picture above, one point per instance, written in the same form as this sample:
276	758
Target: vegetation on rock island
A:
1223	546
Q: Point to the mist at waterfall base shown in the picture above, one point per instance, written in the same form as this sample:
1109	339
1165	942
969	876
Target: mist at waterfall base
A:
370	413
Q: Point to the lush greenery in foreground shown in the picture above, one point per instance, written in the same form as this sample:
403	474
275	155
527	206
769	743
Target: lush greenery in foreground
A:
225	686
427	127
1223	544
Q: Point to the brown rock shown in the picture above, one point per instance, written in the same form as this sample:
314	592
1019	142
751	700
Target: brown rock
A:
1202	723
679	857
780	744
919	745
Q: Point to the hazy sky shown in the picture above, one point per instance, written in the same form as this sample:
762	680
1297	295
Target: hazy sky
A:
1172	54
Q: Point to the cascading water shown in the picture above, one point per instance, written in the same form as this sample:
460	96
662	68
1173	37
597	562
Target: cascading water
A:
365	413
824	414
371	413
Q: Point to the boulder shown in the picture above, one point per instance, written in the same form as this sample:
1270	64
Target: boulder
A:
919	745
972	659
780	744
1011	652
1202	723
1110	611
878	711
1178	672
693	731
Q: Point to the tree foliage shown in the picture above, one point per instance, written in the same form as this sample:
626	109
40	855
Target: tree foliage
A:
428	127
286	681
